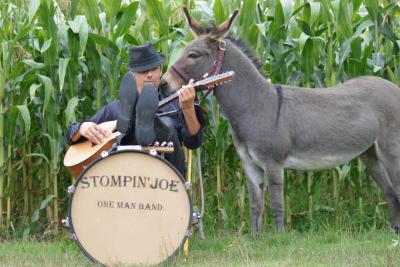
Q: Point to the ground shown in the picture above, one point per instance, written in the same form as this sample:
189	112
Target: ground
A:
324	248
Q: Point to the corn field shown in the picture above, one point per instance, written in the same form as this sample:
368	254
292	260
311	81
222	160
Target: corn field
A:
60	61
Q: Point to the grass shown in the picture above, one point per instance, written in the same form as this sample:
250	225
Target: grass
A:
33	253
323	248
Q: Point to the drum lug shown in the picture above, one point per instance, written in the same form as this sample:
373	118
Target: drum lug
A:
73	237
189	233
66	223
187	185
153	152
104	154
71	189
196	217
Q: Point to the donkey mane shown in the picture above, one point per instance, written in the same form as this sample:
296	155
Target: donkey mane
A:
245	48
242	45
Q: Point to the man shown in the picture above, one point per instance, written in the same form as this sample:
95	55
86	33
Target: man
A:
135	112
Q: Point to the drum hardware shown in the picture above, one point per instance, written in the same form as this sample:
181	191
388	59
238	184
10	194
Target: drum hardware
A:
200	217
130	147
66	223
71	189
156	145
189	233
104	154
153	152
187	185
73	237
197	216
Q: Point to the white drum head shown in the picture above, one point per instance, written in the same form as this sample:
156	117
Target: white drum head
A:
130	208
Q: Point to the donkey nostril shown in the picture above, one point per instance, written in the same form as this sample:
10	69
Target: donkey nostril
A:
163	86
163	83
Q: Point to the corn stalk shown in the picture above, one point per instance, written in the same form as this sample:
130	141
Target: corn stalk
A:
2	83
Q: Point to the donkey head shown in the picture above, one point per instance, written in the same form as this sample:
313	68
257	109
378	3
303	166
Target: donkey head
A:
199	56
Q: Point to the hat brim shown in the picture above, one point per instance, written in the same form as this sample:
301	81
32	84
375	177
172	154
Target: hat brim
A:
148	66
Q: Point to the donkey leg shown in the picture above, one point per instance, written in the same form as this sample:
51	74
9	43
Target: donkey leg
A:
379	172
275	189
390	156
255	186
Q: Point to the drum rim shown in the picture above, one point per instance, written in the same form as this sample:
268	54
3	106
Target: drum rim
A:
71	196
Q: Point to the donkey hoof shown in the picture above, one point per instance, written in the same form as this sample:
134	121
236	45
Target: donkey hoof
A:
255	235
280	229
396	229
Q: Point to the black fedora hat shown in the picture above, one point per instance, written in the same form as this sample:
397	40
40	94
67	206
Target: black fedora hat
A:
144	57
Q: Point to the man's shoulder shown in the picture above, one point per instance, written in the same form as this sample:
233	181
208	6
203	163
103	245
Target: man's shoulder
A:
108	112
114	104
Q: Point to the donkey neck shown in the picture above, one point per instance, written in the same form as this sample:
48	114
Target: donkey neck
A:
249	93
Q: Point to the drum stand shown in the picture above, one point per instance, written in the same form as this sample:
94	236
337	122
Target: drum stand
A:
197	217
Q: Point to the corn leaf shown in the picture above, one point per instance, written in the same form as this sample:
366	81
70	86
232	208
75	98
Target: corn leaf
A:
219	12
111	8
33	8
126	20
24	111
62	68
70	111
92	12
48	89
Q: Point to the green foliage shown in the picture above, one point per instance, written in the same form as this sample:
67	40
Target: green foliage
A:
62	60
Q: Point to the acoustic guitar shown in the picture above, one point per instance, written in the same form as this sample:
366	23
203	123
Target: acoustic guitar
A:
80	155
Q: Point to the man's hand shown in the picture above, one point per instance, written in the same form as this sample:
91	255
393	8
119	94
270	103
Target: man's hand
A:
93	132
187	94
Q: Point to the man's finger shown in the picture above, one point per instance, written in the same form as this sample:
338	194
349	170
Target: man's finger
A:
188	93
96	139
183	95
95	136
180	93
91	137
100	132
189	88
192	92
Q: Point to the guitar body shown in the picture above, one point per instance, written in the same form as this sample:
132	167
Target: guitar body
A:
82	154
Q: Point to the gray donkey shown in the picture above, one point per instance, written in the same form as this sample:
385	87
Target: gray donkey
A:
276	127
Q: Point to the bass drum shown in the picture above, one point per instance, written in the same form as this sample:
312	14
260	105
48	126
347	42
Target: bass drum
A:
130	208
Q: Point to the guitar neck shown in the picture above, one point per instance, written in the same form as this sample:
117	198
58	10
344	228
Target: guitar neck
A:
205	83
174	96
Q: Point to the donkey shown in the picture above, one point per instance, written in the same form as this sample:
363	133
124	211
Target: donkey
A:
282	126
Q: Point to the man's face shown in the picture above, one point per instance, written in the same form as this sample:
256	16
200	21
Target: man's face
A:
152	76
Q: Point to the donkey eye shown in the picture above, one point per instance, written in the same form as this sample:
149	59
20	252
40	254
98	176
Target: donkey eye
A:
193	55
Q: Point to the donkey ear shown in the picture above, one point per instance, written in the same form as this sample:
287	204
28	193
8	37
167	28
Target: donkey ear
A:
195	26
224	28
